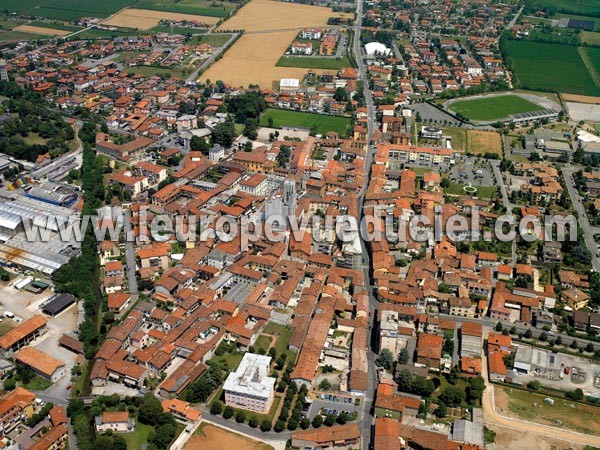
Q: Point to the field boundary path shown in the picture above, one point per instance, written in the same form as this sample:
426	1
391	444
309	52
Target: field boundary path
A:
589	65
211	59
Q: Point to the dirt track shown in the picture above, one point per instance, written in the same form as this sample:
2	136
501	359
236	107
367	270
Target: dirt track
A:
490	416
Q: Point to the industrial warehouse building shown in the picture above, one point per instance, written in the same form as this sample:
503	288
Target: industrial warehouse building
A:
58	304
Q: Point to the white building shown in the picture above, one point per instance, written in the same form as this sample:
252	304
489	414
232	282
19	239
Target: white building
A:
249	387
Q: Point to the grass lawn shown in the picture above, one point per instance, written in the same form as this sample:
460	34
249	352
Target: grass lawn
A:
284	335
320	122
214	39
531	406
550	66
381	412
486	192
137	438
420	170
228	360
34	138
37	384
590	37
494	107
459	138
314	63
262	342
597	127
5	327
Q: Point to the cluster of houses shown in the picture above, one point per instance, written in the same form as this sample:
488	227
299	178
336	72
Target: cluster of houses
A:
325	41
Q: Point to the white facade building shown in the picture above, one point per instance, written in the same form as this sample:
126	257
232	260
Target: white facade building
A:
249	387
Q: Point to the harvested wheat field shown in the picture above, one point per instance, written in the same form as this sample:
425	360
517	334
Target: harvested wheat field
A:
482	142
262	15
144	19
252	60
210	437
41	30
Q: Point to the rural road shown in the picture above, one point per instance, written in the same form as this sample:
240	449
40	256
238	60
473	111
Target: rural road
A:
206	64
491	416
584	222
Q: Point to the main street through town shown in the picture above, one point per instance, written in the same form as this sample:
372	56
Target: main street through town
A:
366	418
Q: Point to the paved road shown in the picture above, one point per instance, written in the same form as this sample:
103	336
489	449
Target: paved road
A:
365	414
584	223
194	75
490	323
130	254
505	201
242	428
491	416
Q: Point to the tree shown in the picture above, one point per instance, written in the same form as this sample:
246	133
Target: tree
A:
199	144
304	423
329	420
558	340
224	134
498	326
240	417
528	334
576	395
250	129
543	337
325	385
265	426
340	95
253	422
445	183
589	347
216	408
150	410
534	385
453	396
441	410
403	358
228	412
9	384
513	330
279	426
475	389
342	418
385	359
317	421
103	443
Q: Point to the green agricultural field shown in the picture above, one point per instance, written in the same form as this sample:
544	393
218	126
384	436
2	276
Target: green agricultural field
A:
550	66
321	123
314	63
65	9
199	7
493	107
21	36
583	7
594	57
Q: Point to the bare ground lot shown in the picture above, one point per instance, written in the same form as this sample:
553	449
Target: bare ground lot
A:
481	142
264	15
42	30
509	439
252	59
144	19
210	437
583	111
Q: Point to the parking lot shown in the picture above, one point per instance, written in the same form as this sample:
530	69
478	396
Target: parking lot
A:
332	404
24	305
472	171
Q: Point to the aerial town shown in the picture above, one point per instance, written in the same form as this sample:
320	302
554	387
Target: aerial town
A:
353	224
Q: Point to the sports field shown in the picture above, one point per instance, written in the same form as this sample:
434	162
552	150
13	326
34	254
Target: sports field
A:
253	58
493	107
314	63
550	66
322	123
144	19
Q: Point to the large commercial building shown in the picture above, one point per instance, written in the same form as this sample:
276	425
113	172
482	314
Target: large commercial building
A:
22	335
249	387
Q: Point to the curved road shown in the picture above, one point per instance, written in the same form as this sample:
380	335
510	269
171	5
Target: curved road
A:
491	416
